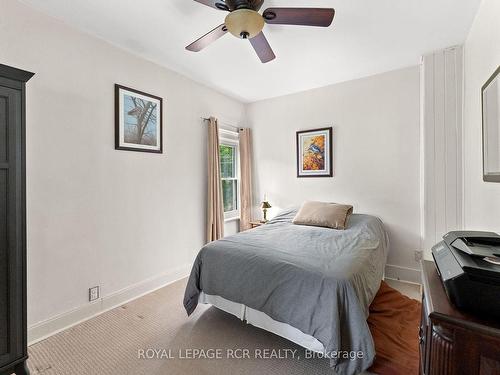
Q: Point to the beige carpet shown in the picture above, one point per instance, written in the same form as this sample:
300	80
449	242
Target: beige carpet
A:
110	343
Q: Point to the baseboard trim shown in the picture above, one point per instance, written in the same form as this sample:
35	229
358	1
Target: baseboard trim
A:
409	275
44	329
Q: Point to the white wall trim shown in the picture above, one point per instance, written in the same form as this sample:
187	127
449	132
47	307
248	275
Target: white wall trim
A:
462	145
44	329
409	275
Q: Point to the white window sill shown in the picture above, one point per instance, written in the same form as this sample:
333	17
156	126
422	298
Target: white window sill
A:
231	219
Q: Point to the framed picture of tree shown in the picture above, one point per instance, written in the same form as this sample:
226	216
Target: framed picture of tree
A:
138	121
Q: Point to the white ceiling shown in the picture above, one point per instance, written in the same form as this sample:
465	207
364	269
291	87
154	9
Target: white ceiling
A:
367	37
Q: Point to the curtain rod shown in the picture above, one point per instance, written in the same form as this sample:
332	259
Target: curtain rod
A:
223	123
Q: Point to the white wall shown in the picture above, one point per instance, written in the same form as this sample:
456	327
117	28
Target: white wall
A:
376	152
131	221
441	148
126	221
482	57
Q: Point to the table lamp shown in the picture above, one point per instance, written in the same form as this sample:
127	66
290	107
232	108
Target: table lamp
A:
265	206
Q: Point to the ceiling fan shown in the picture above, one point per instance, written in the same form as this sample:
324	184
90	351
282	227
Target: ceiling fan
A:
245	22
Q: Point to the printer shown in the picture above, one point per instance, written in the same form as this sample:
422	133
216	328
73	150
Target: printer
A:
469	266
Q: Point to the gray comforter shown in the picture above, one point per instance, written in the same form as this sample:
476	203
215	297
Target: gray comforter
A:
318	280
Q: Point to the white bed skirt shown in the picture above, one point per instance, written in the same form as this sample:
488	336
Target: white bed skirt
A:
262	320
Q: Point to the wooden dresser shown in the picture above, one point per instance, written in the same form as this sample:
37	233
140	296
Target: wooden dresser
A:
13	342
452	341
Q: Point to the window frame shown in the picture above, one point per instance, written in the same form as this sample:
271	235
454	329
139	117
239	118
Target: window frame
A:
231	139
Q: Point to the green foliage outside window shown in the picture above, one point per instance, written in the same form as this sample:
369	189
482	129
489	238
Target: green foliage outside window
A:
227	155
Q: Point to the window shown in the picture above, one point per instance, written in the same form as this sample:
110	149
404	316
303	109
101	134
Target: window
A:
228	153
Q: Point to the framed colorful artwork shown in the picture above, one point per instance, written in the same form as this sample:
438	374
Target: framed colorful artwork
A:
138	121
315	153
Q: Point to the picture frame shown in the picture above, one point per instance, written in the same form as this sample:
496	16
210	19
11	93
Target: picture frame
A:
315	153
138	121
490	108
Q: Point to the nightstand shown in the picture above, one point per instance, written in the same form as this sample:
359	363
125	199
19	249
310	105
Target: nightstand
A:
256	224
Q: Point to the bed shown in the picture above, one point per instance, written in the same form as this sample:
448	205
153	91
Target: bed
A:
310	285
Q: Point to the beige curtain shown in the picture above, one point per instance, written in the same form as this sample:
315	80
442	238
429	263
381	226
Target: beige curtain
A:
215	211
245	179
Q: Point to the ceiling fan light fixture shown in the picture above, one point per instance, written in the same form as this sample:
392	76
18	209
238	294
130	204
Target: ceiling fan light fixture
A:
244	23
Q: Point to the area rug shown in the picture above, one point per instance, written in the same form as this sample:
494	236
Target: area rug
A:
394	323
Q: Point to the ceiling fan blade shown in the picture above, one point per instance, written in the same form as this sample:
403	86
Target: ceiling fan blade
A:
322	17
207	39
256	4
216	4
262	47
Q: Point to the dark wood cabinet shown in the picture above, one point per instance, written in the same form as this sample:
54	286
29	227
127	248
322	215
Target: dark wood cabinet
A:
13	341
453	341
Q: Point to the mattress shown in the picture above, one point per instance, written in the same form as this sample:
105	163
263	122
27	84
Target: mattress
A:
319	281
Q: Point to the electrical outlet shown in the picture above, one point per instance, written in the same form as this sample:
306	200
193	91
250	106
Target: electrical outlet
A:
418	255
93	293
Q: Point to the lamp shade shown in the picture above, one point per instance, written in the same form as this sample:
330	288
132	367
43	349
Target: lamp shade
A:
244	23
266	204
